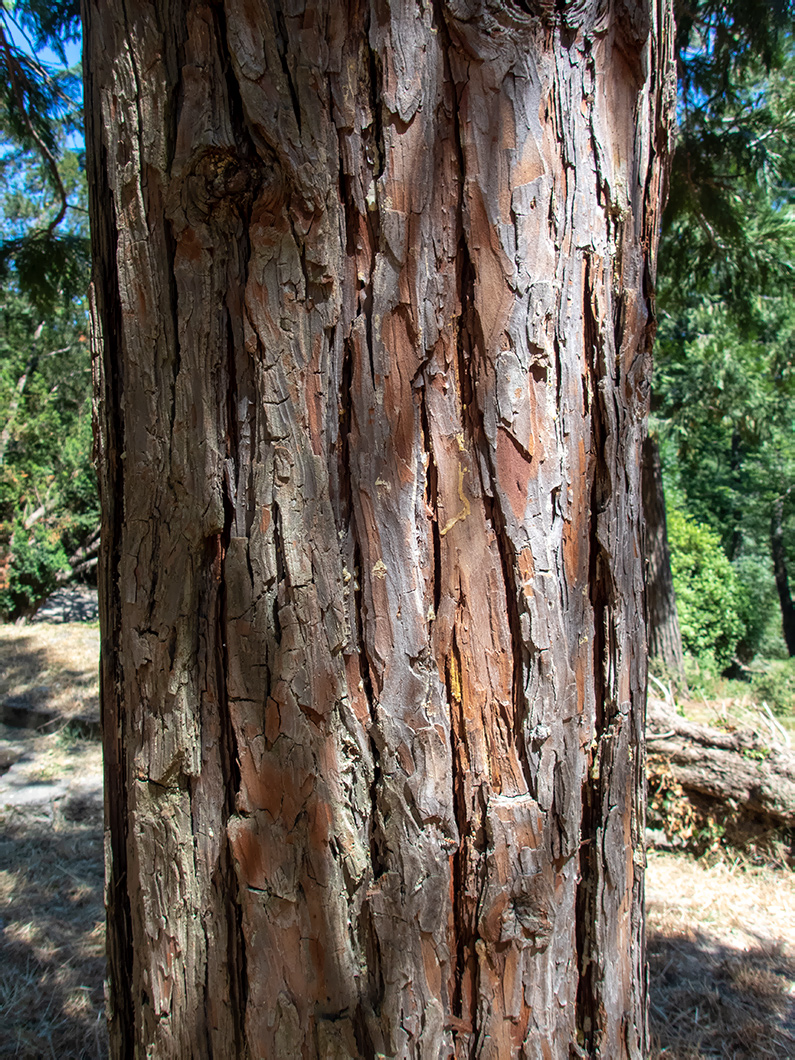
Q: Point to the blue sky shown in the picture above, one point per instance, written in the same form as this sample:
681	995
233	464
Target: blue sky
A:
48	57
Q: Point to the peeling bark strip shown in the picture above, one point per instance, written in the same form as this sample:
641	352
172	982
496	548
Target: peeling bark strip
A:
373	327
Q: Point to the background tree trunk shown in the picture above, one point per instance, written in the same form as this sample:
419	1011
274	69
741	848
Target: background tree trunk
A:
779	557
665	640
373	327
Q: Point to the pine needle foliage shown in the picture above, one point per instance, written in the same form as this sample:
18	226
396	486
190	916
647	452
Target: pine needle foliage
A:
40	110
724	383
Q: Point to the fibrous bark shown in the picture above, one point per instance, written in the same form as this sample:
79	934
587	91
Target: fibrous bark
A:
665	639
373	325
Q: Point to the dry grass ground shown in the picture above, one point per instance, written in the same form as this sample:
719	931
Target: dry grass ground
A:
721	936
721	944
52	961
52	954
51	666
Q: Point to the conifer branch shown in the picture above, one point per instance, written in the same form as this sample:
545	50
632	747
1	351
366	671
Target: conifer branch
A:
14	74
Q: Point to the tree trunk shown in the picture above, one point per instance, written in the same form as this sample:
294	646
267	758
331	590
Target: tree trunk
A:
780	572
372	315
665	640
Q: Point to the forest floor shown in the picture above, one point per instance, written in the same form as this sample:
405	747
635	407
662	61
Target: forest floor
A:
721	934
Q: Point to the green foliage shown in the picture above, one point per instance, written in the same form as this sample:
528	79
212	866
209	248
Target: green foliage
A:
757	604
34	562
51	22
707	591
732	171
775	685
47	267
48	496
45	246
724	383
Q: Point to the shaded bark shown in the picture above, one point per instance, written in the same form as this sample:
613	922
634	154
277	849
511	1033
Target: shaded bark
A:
372	303
665	640
779	557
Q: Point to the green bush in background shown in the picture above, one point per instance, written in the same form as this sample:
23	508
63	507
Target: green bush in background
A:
49	509
708	596
776	686
37	557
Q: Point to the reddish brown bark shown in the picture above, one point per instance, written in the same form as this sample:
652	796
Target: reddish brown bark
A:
373	330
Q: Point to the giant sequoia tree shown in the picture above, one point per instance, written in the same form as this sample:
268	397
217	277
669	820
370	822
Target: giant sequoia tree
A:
372	301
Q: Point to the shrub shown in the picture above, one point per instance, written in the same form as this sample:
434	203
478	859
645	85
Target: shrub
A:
776	686
31	569
708	597
757	604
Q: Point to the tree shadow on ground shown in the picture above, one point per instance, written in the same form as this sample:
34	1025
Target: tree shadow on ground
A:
708	1000
52	951
28	702
69	605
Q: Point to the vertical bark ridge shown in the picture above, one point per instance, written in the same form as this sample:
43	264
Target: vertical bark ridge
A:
106	329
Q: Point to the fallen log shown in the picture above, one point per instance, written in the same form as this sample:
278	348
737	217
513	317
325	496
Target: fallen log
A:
739	784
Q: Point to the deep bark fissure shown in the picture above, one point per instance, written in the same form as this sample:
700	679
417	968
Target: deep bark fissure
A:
521	649
374	994
175	28
375	87
431	499
232	464
378	859
282	39
258	160
587	887
344	494
282	577
236	941
372	217
236	938
464	909
468	857
173	301
470	342
133	64
585	919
